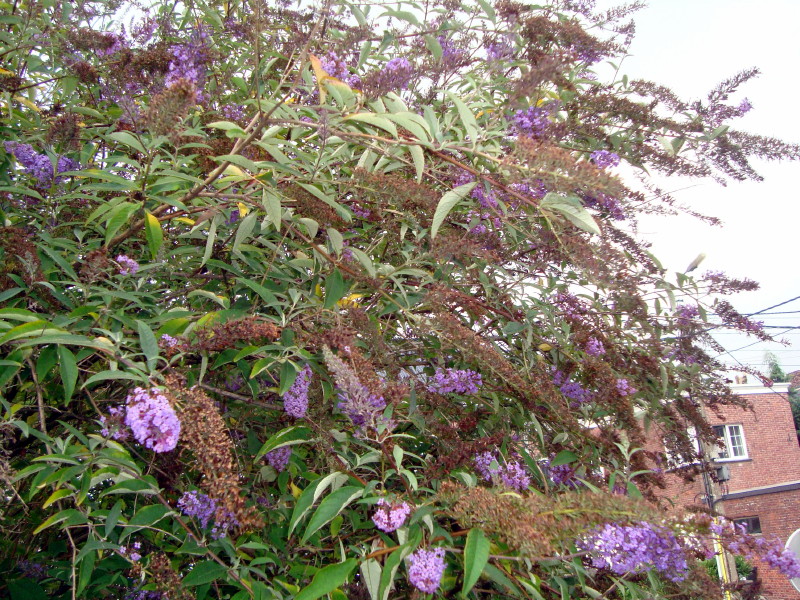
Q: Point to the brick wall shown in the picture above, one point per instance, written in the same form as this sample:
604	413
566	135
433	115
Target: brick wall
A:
780	517
773	459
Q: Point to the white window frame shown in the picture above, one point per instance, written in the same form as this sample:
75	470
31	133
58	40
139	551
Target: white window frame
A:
729	432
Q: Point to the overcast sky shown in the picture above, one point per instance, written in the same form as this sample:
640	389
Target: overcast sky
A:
690	46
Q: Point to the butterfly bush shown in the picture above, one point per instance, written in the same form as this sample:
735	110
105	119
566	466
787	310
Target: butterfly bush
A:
390	516
426	568
152	420
191	197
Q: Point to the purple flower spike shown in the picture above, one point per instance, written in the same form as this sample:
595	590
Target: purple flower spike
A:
426	569
152	420
455	381
594	347
198	505
127	266
624	388
295	400
278	459
636	548
604	158
389	517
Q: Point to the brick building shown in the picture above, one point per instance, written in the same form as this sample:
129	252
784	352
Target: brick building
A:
758	464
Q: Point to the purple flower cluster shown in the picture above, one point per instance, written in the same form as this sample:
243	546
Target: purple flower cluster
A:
278	459
686	313
167	341
451	54
624	388
33	570
455	381
390	516
132	553
39	166
152	420
127	266
604	158
533	122
363	408
608	203
189	60
571	389
636	548
295	400
510	473
594	347
137	594
426	569
499	51
560	474
396	75
234	112
776	556
114	424
198	505
337	67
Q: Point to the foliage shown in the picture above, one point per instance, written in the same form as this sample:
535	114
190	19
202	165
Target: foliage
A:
345	301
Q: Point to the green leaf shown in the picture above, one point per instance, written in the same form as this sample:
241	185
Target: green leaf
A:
564	458
69	371
113	517
371	576
476	555
466	116
327	579
272	204
106	375
204	572
375	120
146	517
335	288
446	204
153	233
128	139
118	217
309	495
418	156
26	589
259	289
147	339
331	506
572	208
244	230
287	437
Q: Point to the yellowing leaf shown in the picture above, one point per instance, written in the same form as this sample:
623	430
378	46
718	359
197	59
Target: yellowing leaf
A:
243	209
186	220
545	347
296	491
321	75
234	170
350	301
27	103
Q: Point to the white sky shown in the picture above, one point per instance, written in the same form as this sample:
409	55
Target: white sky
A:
690	46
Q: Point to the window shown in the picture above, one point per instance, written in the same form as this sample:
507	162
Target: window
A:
751	524
732	445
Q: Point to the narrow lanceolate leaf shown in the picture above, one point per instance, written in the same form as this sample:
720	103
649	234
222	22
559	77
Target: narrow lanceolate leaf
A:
330	507
476	555
326	580
147	340
572	209
446	204
153	233
69	371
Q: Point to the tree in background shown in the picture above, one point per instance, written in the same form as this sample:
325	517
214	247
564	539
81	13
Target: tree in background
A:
345	301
